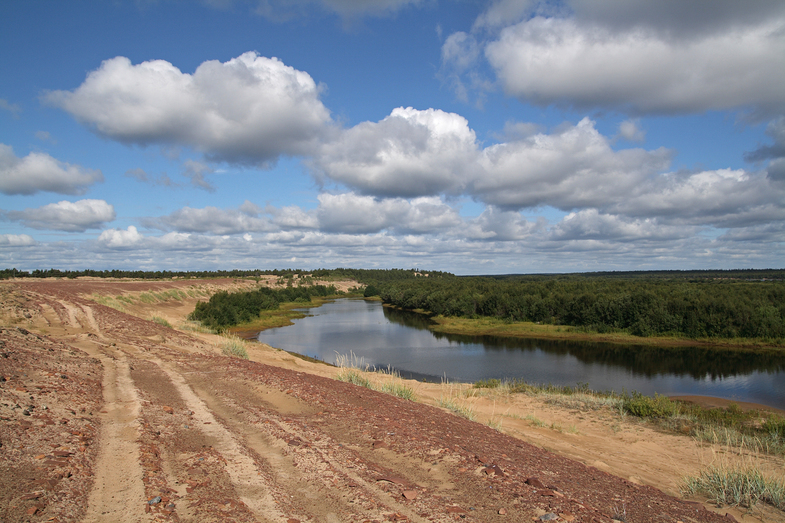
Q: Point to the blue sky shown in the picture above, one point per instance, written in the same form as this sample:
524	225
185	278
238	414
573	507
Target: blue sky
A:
468	136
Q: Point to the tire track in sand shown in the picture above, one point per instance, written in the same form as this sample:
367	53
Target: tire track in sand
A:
118	491
242	468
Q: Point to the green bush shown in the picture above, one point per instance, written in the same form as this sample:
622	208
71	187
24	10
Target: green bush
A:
650	406
487	384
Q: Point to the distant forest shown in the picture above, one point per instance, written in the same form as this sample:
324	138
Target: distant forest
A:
695	304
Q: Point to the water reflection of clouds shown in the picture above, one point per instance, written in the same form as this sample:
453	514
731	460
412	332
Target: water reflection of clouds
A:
400	339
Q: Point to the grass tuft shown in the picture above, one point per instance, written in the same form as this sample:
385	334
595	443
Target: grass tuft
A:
736	486
234	347
461	410
161	321
354	370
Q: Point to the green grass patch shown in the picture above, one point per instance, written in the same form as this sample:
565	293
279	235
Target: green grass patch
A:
161	321
460	409
737	486
486	326
195	326
398	389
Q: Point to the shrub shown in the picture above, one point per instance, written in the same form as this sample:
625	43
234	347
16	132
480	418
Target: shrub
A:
650	407
487	384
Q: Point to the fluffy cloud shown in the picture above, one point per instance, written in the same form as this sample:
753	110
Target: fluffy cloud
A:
121	239
409	153
249	110
556	60
16	240
210	220
573	167
499	225
636	56
722	198
676	18
354	214
589	224
630	130
40	172
66	216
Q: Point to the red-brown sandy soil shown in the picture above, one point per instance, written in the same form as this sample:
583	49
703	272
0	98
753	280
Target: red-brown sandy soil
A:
107	416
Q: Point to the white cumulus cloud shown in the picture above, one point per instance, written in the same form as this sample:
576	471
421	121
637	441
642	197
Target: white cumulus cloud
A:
560	61
16	240
409	153
121	239
39	172
67	216
210	220
571	168
248	110
356	214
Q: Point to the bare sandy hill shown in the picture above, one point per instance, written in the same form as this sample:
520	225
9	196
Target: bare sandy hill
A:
106	415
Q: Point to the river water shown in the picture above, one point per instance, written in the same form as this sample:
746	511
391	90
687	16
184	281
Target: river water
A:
385	337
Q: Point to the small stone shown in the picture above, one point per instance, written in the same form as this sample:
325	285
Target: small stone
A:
550	516
502	511
535	482
168	410
154	501
410	494
31	511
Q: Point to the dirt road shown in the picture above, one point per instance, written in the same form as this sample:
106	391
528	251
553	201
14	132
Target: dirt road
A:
107	417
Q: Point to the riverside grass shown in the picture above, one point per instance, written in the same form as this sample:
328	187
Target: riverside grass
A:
354	370
736	485
757	431
499	327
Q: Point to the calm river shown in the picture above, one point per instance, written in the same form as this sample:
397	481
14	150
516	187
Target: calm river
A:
383	336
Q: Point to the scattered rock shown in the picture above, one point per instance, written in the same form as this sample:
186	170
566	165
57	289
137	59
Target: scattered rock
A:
502	511
535	482
410	494
550	516
154	501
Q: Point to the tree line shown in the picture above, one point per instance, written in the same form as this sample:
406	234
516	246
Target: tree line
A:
692	308
226	309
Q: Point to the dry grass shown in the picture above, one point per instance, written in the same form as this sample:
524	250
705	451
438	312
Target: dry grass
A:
234	347
354	370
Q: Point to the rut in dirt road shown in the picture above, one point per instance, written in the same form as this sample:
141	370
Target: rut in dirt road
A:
118	492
